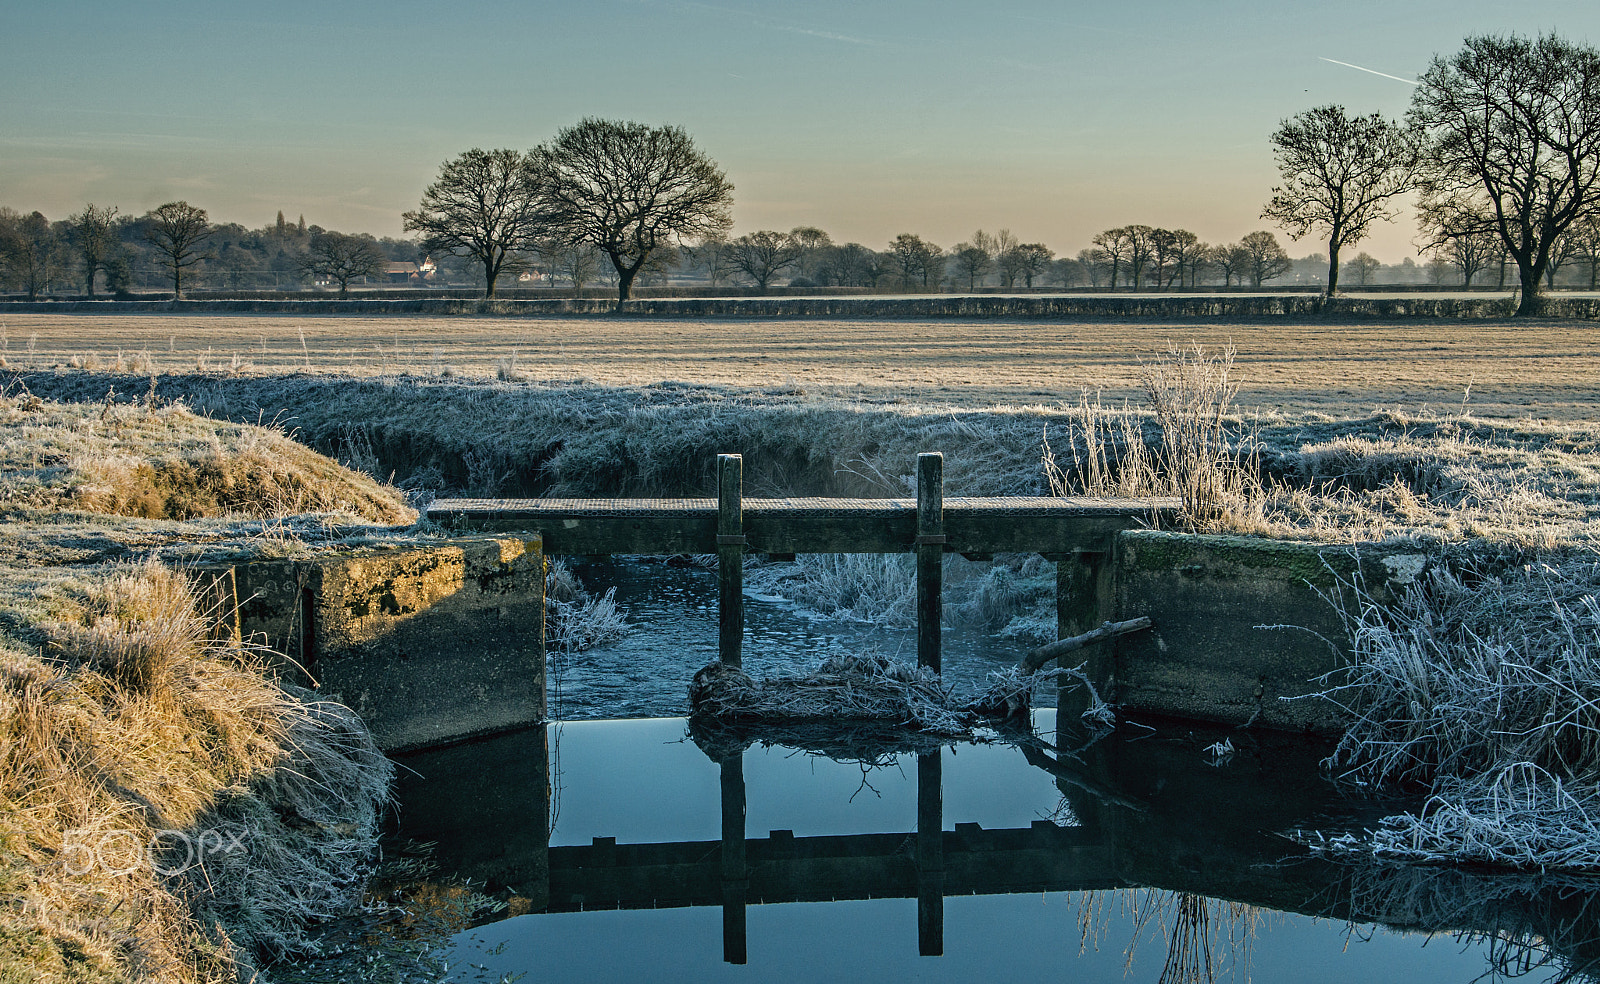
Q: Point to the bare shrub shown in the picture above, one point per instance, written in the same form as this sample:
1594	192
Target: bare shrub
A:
588	622
356	453
576	620
505	369
486	472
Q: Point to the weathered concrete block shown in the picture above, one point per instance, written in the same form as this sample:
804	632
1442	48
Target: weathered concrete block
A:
1207	657
435	643
428	642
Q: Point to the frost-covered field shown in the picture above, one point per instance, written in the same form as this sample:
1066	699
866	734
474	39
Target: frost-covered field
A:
1547	370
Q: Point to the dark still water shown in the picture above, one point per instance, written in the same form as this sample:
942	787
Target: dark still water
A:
673	610
645	850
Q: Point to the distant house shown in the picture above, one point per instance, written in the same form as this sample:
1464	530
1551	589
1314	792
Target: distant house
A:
415	274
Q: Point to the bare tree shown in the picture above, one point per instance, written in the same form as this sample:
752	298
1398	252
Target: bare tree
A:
1141	249
94	235
1096	265
1232	261
1585	240
1561	251
811	245
1069	271
1003	247
1033	260
973	261
763	255
343	258
1511	136
628	190
178	230
1170	253
1191	256
714	254
847	266
578	264
1267	260
918	258
1363	267
1468	251
483	206
30	252
1340	174
1113	245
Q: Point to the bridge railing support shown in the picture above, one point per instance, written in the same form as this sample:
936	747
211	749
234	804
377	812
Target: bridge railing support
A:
930	541
730	558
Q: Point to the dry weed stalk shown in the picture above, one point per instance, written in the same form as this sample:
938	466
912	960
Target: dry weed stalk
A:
1190	395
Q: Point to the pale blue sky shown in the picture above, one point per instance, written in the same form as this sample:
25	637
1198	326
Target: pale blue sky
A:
868	119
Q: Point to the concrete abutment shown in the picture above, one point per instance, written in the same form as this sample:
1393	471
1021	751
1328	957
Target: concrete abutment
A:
430	642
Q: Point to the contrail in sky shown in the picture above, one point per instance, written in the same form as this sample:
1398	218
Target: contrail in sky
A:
1369	71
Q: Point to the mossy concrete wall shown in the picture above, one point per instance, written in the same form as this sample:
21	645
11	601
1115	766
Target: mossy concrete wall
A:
1243	627
428	642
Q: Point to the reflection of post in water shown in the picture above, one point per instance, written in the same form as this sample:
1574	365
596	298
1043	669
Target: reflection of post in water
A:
930	854
735	873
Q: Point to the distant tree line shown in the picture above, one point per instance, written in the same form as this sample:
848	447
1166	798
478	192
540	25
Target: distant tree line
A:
175	247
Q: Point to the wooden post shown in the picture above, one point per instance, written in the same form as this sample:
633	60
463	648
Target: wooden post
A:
930	558
735	872
1078	592
730	558
930	854
1080	579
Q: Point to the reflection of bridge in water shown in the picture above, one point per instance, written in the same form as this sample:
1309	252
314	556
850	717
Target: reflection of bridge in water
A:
1144	814
927	863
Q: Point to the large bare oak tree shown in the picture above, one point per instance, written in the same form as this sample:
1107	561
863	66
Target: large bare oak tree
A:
629	190
1511	145
484	205
764	254
342	258
178	230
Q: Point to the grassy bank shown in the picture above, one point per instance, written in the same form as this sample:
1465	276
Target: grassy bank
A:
167	811
1449	477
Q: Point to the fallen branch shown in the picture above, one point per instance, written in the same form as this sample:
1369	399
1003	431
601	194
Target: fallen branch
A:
1032	662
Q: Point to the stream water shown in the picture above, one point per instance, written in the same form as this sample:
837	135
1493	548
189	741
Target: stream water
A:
652	850
674	610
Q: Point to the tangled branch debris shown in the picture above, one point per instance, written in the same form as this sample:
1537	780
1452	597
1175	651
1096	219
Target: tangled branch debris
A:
871	690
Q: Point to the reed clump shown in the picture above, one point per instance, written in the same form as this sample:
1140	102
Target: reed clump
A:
1481	690
167	812
1200	455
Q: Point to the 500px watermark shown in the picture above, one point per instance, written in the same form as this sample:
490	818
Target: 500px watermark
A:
167	852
